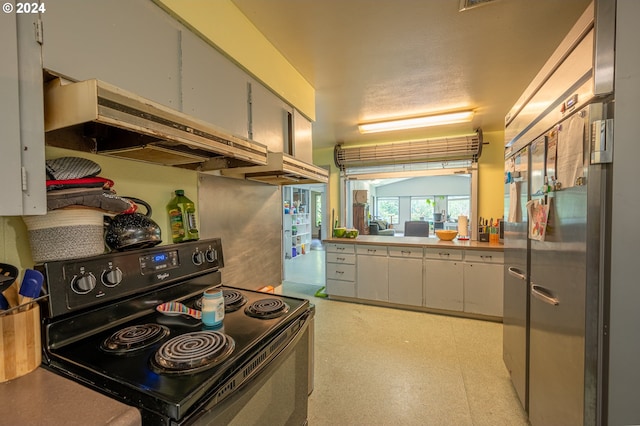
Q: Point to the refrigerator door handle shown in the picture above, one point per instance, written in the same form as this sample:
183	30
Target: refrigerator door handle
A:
516	273
543	294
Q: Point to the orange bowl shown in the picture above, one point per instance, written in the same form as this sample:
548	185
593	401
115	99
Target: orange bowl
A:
446	234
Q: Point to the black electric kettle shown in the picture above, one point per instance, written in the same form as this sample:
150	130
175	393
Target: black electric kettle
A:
127	231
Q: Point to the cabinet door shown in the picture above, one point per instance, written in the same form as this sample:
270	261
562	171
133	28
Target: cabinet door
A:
269	118
134	45
483	288
10	162
342	272
22	171
405	281
443	285
340	288
213	88
372	277
340	248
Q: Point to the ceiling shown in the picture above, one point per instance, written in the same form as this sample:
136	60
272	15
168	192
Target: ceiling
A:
374	59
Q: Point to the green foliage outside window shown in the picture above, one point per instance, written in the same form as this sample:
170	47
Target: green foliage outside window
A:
388	208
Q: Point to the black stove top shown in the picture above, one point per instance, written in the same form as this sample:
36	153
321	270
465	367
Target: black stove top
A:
136	376
164	364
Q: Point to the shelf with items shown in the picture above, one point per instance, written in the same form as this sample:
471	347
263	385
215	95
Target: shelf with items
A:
297	234
296	222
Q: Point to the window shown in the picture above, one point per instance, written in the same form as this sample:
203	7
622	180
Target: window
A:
399	198
388	208
458	205
422	208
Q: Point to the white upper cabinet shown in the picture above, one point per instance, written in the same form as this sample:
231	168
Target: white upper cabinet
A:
21	124
213	88
269	119
134	45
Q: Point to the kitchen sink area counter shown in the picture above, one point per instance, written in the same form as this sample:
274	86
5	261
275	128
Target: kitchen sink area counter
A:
416	242
460	278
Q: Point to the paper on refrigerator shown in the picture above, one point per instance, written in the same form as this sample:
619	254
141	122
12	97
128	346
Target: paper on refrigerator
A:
570	160
538	218
515	210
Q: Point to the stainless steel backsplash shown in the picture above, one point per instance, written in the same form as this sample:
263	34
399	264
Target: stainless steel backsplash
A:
248	217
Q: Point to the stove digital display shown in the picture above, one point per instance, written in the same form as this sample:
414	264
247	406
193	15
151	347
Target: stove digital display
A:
159	262
158	258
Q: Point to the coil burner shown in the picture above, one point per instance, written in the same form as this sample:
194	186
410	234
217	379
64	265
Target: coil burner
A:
233	300
134	338
267	308
193	352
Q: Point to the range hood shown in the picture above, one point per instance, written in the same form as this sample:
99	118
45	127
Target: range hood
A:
95	116
281	169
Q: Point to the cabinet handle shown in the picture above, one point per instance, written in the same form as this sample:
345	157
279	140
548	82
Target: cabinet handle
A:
340	258
340	248
443	254
486	257
543	294
516	273
371	250
408	253
339	272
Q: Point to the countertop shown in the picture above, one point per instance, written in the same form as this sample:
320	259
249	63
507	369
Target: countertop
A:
430	242
45	398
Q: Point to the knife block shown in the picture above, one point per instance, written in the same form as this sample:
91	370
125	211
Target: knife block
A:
20	345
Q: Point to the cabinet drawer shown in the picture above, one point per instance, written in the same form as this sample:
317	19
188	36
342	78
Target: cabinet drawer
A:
442	254
341	272
372	250
412	252
484	256
341	288
340	248
349	259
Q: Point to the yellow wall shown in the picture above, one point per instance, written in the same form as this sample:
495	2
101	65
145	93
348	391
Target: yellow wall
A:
324	157
491	176
223	25
151	183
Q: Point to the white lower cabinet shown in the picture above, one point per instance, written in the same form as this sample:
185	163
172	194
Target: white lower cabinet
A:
441	278
443	284
340	270
405	275
372	282
483	283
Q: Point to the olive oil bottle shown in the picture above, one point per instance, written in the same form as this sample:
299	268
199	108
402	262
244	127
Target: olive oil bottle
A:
182	218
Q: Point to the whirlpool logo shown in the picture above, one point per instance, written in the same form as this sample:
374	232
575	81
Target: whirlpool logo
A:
162	276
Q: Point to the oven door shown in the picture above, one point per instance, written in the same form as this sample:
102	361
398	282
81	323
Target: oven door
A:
276	396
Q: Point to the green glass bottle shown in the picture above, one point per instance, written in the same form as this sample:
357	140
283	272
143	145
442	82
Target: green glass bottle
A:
182	218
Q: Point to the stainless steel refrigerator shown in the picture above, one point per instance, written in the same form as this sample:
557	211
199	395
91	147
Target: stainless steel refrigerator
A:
516	279
558	165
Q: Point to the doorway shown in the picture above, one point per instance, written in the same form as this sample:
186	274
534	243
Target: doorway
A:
302	224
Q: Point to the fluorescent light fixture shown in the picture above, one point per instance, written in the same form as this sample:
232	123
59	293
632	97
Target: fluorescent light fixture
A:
416	122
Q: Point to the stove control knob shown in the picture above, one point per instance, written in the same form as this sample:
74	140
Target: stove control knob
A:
198	258
211	255
111	277
83	283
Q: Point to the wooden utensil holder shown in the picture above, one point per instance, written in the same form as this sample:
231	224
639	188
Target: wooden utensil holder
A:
20	345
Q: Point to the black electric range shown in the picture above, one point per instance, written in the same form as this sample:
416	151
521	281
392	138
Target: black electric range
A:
101	328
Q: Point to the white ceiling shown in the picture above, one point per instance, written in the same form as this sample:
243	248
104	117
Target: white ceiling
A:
373	59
